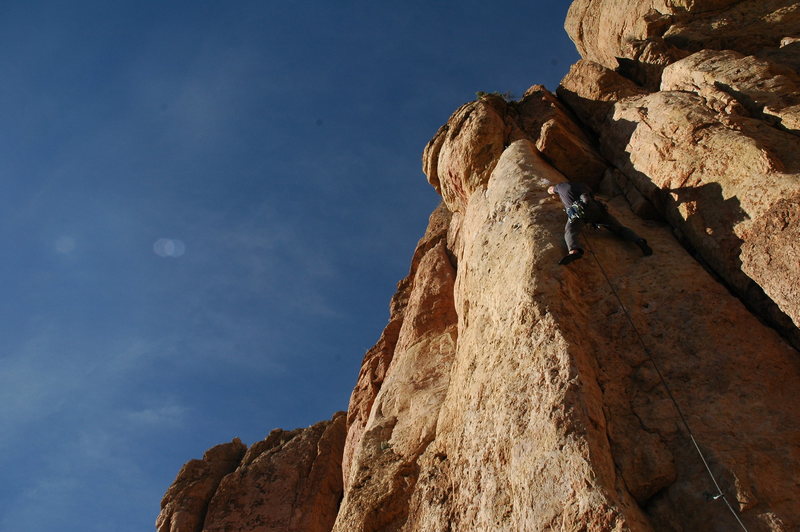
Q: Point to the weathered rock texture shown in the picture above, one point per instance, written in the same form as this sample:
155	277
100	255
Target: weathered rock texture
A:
185	503
715	150
510	393
641	37
402	420
429	269
461	156
290	481
554	414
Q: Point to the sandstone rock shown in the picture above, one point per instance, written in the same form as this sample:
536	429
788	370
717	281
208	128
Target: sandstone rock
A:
745	26
730	82
289	482
590	90
370	379
462	154
709	172
615	183
788	53
649	59
460	157
496	464
771	253
625	34
555	415
510	393
402	421
377	360
721	174
183	507
641	37
558	137
603	30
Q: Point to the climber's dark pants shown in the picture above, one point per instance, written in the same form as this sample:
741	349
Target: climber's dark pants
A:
604	220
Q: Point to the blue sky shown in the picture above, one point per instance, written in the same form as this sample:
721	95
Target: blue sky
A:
205	208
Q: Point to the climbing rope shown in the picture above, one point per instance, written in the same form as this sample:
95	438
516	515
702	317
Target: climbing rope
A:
720	494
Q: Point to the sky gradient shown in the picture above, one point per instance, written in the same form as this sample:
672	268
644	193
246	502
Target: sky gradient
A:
206	207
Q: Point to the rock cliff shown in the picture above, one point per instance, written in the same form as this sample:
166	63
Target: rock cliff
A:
620	392
290	481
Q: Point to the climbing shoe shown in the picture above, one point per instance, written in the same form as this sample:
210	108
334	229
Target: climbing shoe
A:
646	250
571	257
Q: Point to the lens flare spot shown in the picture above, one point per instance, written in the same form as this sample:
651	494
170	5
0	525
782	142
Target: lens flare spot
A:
169	247
65	245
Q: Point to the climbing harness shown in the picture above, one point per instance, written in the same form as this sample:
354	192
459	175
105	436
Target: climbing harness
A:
720	494
576	211
587	203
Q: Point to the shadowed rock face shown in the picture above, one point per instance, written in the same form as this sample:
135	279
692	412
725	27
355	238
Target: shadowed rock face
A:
510	393
716	150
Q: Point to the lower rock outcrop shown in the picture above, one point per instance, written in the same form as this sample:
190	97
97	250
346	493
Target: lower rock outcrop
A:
290	481
184	506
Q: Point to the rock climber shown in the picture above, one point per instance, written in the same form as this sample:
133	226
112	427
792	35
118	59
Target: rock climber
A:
582	209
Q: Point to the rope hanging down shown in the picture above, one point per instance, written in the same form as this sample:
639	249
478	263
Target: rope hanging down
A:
720	494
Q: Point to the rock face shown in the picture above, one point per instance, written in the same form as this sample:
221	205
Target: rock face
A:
555	415
461	156
620	392
185	503
641	37
402	421
290	481
716	151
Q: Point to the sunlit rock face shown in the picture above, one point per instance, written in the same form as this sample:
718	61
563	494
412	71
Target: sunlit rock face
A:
290	481
461	156
641	37
555	413
410	323
184	505
510	393
405	407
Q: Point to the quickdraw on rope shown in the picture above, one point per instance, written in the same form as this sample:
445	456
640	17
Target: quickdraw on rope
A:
720	494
